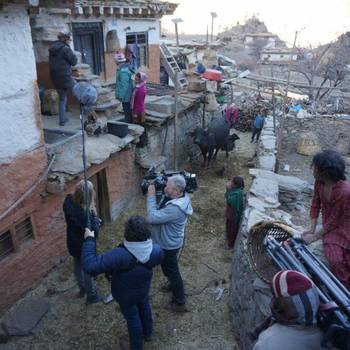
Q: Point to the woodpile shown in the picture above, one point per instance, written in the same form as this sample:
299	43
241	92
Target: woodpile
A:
247	114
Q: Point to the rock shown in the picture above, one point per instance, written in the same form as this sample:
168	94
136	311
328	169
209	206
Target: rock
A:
50	102
268	143
265	189
303	114
260	204
343	145
25	317
255	217
267	162
308	144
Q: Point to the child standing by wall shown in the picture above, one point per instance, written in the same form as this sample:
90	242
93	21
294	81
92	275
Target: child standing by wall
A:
138	99
234	208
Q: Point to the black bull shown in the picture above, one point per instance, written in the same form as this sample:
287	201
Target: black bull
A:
215	137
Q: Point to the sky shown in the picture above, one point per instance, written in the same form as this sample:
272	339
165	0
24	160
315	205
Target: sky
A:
321	21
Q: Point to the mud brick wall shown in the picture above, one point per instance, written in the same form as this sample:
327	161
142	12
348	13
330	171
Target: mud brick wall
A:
23	269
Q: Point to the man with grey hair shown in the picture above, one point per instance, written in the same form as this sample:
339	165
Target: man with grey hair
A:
168	221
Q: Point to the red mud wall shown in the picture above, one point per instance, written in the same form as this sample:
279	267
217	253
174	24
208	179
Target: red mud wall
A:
22	270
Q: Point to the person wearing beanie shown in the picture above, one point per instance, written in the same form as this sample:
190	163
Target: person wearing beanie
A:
124	84
294	309
61	60
332	198
130	267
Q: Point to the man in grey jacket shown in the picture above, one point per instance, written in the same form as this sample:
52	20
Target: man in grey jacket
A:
168	229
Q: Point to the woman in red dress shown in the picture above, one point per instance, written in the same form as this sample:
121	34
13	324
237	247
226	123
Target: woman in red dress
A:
332	198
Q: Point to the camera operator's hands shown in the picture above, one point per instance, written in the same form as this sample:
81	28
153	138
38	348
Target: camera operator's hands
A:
151	190
89	233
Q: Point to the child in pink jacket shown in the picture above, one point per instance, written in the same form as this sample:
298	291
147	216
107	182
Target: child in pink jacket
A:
138	99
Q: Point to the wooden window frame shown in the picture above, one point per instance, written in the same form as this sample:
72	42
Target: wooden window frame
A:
17	246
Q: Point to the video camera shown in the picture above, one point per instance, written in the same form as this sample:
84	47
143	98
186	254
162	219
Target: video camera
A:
159	180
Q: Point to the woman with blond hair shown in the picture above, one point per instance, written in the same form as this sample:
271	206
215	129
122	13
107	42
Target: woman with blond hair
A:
75	213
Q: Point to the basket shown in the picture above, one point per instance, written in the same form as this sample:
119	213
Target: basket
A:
259	260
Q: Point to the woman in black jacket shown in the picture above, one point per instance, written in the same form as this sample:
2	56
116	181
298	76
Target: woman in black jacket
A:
75	215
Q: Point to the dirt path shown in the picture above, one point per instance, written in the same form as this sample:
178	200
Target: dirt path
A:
204	261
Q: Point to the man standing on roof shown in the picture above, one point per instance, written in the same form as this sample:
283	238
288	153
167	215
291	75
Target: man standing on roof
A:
61	59
168	229
124	84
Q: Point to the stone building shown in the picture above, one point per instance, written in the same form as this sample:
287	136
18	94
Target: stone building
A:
40	165
99	29
264	40
278	56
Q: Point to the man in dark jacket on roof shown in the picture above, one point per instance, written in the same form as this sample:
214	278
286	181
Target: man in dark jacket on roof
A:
168	222
61	59
130	265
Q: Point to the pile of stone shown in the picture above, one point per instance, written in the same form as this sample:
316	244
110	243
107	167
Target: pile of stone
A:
267	147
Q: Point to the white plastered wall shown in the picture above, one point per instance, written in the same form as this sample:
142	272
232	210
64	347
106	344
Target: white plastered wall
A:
19	132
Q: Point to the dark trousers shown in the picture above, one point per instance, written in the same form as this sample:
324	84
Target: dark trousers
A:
127	112
256	132
62	93
139	320
171	270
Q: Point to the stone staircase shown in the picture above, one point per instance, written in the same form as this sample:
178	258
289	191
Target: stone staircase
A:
107	105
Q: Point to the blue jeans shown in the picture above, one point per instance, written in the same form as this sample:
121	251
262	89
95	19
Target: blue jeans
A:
139	320
85	281
62	93
171	270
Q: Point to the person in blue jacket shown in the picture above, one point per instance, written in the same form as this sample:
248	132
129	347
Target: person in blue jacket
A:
130	267
258	124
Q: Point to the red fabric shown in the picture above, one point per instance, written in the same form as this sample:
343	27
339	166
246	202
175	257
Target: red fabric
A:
339	261
287	283
335	213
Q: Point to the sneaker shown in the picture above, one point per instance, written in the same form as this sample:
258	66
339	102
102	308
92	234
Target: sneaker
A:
94	299
252	140
175	307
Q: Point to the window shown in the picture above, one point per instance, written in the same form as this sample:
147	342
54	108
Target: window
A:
139	41
12	238
24	231
6	244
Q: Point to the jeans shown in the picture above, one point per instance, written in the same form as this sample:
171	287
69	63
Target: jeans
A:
62	93
127	112
256	132
171	270
85	281
139	320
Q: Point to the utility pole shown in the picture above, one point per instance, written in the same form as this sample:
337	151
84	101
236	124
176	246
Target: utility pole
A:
175	122
207	39
176	21
285	100
213	15
273	102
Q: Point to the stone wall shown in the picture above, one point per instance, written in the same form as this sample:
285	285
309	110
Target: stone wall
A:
250	296
20	130
161	140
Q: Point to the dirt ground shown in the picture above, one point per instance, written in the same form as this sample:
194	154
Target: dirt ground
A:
71	325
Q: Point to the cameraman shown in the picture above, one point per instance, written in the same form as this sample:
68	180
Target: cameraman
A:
168	229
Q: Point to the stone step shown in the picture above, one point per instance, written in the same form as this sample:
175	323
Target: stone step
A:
102	107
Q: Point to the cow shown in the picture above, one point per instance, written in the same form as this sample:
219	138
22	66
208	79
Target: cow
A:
215	137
